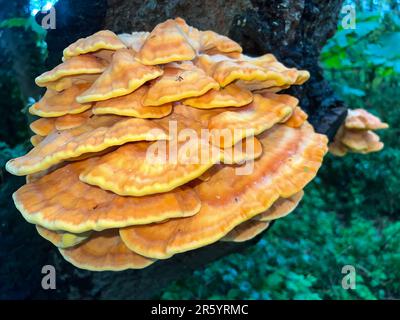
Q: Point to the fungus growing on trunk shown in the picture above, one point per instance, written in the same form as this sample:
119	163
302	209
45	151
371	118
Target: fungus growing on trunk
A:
234	154
356	135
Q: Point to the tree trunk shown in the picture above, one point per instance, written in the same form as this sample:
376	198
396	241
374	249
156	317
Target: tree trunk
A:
293	30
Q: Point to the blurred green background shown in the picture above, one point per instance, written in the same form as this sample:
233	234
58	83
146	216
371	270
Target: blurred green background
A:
349	215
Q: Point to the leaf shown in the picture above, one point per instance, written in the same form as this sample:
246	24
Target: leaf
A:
390	45
14	23
35	27
348	91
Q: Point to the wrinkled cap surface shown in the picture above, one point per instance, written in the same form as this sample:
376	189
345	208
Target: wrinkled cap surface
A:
123	76
60	201
166	43
139	169
132	105
97	134
56	104
362	141
230	96
363	120
79	65
70	121
246	231
179	82
281	208
43	126
104	251
225	70
62	239
36	139
104	39
70	81
290	159
297	118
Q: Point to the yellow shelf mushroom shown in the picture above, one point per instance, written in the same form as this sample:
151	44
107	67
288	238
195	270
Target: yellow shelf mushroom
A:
152	144
356	134
102	40
79	65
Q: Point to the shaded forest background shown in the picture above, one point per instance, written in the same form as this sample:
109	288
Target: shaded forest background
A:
348	216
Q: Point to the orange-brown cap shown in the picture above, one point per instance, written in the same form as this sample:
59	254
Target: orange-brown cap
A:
69	81
297	118
281	207
104	251
36	139
132	105
230	96
179	82
246	231
62	239
43	126
139	169
56	104
58	200
210	40
166	43
123	76
104	39
97	134
361	119
85	64
70	121
225	70
229	127
361	141
290	160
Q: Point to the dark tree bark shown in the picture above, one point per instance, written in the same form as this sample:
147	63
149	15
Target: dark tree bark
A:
295	31
17	72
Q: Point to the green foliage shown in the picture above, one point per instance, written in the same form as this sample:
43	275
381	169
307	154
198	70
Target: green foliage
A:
28	23
7	153
349	212
374	41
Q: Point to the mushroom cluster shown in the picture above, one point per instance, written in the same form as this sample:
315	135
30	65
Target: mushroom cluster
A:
356	134
115	179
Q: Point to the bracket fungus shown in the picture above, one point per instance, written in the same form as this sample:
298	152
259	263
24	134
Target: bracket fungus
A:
153	144
356	134
124	75
43	126
62	239
105	251
84	64
36	139
56	104
230	96
102	40
246	231
131	105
